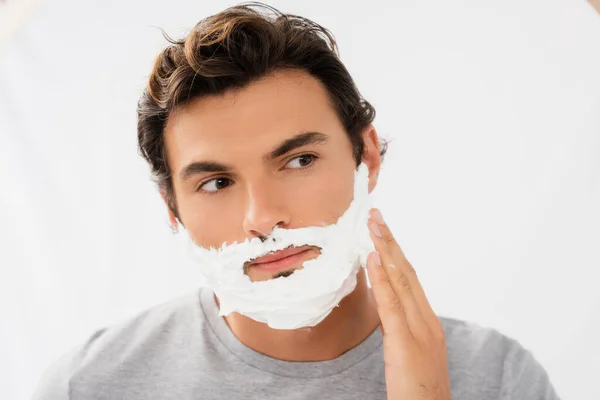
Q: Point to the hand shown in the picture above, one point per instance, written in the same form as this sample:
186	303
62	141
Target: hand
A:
414	346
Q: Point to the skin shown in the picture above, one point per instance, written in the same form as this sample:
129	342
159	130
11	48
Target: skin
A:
414	344
306	183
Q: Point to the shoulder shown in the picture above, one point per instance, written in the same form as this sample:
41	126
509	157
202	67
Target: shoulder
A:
483	354
156	325
476	339
469	342
112	347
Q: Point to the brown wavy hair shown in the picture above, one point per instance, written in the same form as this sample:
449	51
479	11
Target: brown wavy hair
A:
228	51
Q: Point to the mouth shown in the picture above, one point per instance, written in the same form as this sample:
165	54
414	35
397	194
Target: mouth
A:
280	260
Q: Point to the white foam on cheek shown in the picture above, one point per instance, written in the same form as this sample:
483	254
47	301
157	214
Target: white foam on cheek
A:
307	296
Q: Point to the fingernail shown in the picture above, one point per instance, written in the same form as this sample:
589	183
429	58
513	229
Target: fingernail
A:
377	217
375	230
377	259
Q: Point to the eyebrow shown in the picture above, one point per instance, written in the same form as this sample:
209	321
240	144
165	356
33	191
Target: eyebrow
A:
295	142
300	140
199	167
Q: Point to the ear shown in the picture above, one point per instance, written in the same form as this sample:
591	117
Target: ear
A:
371	156
172	219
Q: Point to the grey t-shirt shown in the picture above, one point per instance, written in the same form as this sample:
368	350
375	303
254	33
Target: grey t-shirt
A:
183	350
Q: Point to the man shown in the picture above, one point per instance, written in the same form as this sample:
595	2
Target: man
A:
253	127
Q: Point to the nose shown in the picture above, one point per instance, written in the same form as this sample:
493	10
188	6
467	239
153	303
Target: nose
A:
265	210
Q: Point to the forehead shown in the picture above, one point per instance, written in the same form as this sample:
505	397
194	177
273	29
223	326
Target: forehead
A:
256	117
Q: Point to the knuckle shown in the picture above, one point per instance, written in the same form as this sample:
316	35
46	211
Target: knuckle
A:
381	279
395	303
402	280
431	390
388	237
424	390
379	285
411	269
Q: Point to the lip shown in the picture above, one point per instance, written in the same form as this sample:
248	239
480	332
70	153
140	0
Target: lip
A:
281	259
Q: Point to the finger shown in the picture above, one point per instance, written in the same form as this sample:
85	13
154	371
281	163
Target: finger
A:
389	307
400	284
407	269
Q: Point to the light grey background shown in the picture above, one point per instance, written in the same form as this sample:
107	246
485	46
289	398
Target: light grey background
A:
491	184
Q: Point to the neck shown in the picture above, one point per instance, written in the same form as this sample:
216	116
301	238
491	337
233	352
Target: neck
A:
343	329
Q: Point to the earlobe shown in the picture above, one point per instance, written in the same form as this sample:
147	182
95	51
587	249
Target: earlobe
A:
371	156
172	218
373	181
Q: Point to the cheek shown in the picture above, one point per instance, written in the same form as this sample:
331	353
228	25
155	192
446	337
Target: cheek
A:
323	200
210	222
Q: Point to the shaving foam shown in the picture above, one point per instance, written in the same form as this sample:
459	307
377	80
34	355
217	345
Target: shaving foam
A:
306	297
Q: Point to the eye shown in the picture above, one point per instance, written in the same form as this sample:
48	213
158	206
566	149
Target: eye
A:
302	161
214	185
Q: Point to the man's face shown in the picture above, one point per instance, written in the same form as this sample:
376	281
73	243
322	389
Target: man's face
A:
271	154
